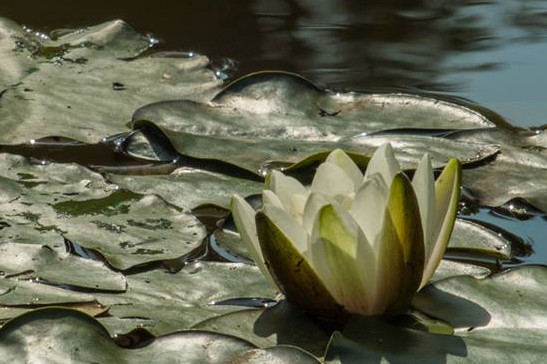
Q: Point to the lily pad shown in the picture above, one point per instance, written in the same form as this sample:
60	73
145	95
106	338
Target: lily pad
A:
469	236
43	263
28	294
518	171
498	319
169	302
288	106
43	204
449	268
58	334
146	230
85	84
281	324
279	117
258	155
509	307
188	188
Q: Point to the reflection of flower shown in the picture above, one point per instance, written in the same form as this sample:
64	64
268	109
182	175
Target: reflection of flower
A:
363	244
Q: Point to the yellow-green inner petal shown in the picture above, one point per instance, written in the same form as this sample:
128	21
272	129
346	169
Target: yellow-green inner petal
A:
334	257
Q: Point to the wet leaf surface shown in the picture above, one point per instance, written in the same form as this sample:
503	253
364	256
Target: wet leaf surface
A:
499	319
288	122
45	264
86	84
78	338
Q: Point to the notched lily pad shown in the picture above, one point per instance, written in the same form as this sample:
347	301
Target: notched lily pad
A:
72	202
500	318
164	302
518	171
276	117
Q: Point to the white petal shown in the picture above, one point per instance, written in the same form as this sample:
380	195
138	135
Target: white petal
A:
424	186
244	219
289	226
383	162
332	181
315	201
447	197
298	205
369	206
269	197
285	188
333	253
345	163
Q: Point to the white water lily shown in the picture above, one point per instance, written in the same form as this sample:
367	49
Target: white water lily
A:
352	243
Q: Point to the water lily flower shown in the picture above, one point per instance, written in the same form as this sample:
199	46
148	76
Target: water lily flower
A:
352	243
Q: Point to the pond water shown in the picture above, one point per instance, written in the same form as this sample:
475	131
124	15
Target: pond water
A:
491	52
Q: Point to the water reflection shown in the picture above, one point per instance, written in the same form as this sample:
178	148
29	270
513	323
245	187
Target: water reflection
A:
393	43
489	51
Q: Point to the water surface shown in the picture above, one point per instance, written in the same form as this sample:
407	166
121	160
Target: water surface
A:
492	52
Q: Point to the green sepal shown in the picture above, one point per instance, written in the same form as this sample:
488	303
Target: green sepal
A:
293	274
403	214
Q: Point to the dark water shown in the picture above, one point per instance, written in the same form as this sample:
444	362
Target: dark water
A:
492	52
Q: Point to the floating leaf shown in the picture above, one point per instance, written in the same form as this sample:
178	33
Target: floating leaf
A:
169	302
43	263
78	338
86	84
188	188
498	319
281	324
46	203
519	170
469	236
279	117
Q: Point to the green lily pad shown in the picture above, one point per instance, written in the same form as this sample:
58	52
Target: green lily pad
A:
282	324
498	319
278	117
449	268
469	236
43	263
288	106
170	302
28	294
85	84
188	188
149	230
509	307
258	155
43	204
57	334
158	301
518	171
